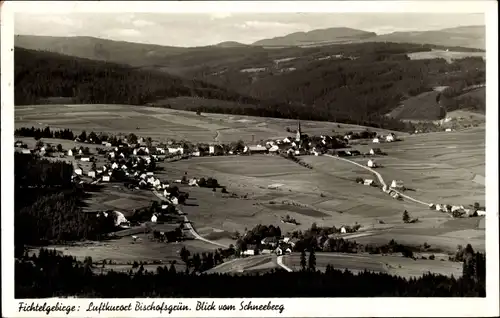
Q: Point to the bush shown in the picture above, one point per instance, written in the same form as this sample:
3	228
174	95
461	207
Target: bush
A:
432	257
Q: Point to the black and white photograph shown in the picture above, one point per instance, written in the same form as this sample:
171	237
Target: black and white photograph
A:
238	162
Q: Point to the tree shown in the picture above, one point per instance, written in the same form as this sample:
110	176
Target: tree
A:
303	259
476	205
39	144
83	136
59	148
132	138
185	255
406	217
312	260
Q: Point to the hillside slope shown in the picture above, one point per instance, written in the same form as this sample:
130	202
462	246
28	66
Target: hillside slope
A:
40	75
468	37
319	36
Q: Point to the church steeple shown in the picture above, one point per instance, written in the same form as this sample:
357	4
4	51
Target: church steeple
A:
299	132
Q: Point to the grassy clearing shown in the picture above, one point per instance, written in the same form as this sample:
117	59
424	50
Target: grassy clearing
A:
162	123
391	264
447	55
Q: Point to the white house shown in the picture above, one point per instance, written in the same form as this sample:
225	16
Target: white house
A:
78	171
375	151
91	173
114	165
481	212
26	151
368	182
156	183
286	140
211	149
389	138
193	182
86	159
372	164
70	152
121	155
150	180
175	201
143	176
274	148
154	218
250	252
106	178
438	207
149	173
160	150
80	151
174	150
448	129
195	153
124	167
343	230
398	184
111	155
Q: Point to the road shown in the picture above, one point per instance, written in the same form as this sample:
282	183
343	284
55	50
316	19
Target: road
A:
280	263
188	224
381	180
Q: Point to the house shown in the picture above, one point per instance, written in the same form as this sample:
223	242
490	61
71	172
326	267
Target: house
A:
195	153
398	184
106	178
274	148
371	163
448	129
273	241
111	155
176	150
154	218
70	153
149	173
175	201
124	167
343	230
266	251
86	159
91	173
375	151
286	140
390	138
250	250
26	151
108	144
353	152
368	182
280	250
114	165
79	171
193	182
376	140
150	180
18	143
481	212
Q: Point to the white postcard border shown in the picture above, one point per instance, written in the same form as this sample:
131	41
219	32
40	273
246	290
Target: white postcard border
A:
296	307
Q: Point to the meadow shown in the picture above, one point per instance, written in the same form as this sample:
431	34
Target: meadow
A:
449	56
163	123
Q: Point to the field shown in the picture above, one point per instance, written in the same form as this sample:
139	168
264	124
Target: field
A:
447	55
421	107
125	251
163	123
391	264
259	263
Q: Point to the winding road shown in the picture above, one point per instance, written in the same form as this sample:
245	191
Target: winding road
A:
380	179
188	224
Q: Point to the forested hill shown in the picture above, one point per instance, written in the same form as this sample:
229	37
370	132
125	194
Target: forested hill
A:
40	75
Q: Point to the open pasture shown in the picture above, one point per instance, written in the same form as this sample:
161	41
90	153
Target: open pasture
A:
449	56
124	250
444	167
309	196
245	265
391	264
117	197
162	123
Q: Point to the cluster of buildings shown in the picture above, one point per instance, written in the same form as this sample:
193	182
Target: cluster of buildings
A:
387	138
458	210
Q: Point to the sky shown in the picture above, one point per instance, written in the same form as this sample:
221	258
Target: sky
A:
199	29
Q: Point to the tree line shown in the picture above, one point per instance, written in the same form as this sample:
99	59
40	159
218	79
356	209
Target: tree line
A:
64	276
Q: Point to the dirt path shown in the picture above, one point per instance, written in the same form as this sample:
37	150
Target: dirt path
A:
280	263
190	227
381	180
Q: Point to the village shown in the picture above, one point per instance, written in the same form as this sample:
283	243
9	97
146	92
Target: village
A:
133	161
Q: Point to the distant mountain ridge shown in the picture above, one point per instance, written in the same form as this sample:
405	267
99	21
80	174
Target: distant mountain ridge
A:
330	35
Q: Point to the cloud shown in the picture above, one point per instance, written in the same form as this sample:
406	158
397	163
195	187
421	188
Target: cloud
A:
268	25
142	23
220	15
